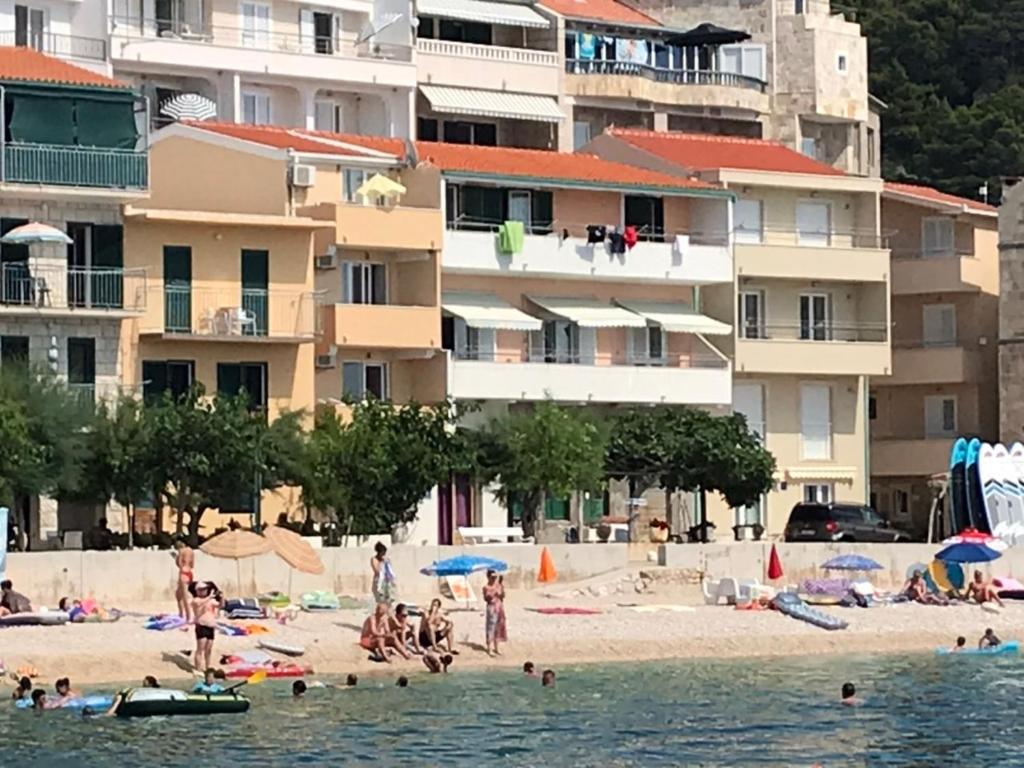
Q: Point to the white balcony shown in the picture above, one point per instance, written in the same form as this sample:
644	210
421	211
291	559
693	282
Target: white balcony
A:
680	261
577	383
465	65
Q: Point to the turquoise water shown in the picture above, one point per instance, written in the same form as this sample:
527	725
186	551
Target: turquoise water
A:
918	711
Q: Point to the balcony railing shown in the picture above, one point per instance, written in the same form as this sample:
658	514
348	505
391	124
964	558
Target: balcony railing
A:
65	46
227	313
566	230
488	52
810	238
944	253
56	286
257	39
815	331
563	357
74	166
84	394
664	74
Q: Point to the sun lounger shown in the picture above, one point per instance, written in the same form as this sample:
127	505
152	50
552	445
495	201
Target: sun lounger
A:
496	535
458	588
715	591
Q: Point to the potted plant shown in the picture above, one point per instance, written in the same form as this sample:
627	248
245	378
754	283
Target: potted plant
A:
659	531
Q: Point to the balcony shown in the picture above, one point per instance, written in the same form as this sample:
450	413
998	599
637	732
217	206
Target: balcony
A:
913	274
687	259
703	380
910	458
640	82
375	326
90	49
230	314
850	256
53	288
73	166
466	65
395	228
174	45
851	349
919	364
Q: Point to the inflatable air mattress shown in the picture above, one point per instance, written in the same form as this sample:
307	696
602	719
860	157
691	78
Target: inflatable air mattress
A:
1002	649
47	619
287	650
319	601
96	702
163	623
791	605
155	702
274	599
282	670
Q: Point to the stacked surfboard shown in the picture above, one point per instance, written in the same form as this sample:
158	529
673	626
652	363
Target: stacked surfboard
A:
986	488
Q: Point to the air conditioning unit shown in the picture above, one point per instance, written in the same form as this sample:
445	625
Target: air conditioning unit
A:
327	260
328	360
303	175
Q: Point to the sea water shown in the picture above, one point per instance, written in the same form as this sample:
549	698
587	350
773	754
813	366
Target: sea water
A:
917	710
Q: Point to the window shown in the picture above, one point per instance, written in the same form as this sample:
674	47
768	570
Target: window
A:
462	132
177	289
471	343
813	223
939	416
353	179
871	148
872	407
464	31
360	380
363	282
939	321
327	116
580	134
809	146
256	108
752	325
426	129
255	25
937	236
95	259
29	26
799	6
815	421
752	514
646	345
815	316
472	207
251	378
647	214
159	376
748	400
747	60
519	207
818	493
557	342
82	367
901	504
748	219
255	268
842	63
13	351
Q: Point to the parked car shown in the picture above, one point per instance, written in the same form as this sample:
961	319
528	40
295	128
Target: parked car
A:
840	522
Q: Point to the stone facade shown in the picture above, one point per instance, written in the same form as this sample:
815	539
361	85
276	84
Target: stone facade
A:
1011	315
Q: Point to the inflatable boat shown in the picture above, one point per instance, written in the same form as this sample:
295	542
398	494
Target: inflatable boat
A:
1009	647
95	702
156	702
791	605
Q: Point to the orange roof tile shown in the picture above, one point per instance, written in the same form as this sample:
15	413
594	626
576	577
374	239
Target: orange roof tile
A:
301	140
539	164
706	152
930	195
28	65
600	10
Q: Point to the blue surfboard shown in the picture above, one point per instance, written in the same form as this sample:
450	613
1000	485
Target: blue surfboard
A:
975	496
957	494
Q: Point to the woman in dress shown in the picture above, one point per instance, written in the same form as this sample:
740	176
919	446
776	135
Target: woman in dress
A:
494	596
383	584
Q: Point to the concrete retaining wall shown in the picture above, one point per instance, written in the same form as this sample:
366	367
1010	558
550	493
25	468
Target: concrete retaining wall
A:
145	576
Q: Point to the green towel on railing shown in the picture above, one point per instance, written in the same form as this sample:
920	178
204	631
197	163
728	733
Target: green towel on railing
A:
510	237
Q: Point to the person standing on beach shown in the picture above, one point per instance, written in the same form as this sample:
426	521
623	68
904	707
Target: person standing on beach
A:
185	559
383	584
495	628
204	611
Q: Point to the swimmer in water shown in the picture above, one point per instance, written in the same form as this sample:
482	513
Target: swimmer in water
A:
298	689
547	678
529	670
989	639
961	644
849	695
209	683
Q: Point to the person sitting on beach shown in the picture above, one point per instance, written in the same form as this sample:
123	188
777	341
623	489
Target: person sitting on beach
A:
849	695
11	601
376	636
23	689
437	664
79	611
547	678
209	683
915	589
989	639
961	644
298	689
402	629
982	591
529	670
435	627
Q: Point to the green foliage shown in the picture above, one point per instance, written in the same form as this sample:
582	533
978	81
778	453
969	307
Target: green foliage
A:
951	72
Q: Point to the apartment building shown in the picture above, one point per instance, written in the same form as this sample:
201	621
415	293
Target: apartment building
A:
1011	318
810	301
72	155
73	31
945	310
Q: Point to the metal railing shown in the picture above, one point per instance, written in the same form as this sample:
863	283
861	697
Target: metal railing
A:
945	253
84	393
57	286
235	312
257	39
827	238
664	74
616	359
488	52
815	331
564	231
75	166
65	46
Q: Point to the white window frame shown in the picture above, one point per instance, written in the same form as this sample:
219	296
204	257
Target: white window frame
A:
944	225
258	97
824	427
818	493
816	238
812	324
258	36
937	310
364	366
752	514
640	353
758	427
759	295
519	195
811	143
335	116
745	232
743	53
362	272
941	401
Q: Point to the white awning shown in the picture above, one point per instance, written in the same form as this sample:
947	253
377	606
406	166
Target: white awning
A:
677	318
590	313
512	15
485	310
470	101
821	473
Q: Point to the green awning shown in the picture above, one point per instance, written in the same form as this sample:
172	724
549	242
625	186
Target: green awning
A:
105	123
42	120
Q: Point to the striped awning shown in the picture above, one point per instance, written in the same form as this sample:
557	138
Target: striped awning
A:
470	101
485	310
677	318
821	473
590	313
507	14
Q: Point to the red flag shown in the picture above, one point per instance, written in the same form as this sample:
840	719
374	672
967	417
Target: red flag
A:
774	565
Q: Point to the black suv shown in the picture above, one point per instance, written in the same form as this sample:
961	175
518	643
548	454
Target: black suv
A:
840	522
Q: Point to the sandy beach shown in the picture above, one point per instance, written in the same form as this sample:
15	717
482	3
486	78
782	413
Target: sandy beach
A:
92	654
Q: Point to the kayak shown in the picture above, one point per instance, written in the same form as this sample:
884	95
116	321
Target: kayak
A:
96	702
1009	647
156	702
282	670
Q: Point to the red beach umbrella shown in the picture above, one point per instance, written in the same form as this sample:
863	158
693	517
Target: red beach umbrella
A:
774	565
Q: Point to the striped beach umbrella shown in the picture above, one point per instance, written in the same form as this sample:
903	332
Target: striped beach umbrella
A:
35	232
189	106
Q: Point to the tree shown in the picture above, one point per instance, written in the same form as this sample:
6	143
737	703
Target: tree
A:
638	451
547	450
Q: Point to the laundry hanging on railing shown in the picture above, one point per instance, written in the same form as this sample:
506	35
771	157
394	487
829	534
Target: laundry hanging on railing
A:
596	233
586	45
511	235
630	237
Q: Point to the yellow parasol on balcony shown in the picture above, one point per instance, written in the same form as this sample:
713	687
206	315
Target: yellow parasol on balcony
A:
380	185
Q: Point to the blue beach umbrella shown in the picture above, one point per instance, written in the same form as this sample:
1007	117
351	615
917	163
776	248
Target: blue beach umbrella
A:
463	565
970	546
852	563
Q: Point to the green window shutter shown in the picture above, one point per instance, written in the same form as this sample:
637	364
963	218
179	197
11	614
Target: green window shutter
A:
229	379
556	509
255	269
107	245
177	265
154	380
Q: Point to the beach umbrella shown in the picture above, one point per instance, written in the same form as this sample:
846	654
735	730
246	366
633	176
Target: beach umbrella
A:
463	565
35	232
774	565
380	185
235	545
189	106
852	563
294	550
971	546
